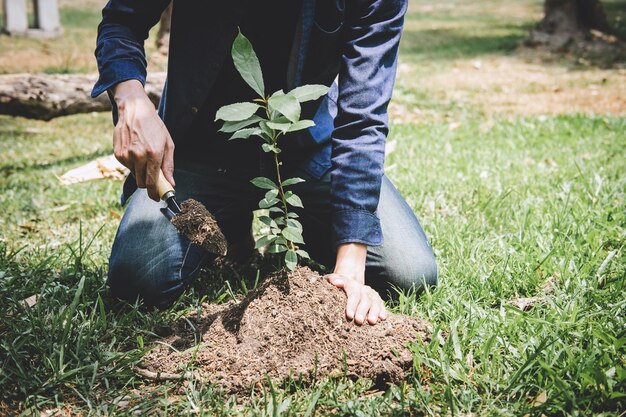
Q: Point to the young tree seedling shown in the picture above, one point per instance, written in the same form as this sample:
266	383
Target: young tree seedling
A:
280	115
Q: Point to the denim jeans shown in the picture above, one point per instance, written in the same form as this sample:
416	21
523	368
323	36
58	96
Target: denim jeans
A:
154	262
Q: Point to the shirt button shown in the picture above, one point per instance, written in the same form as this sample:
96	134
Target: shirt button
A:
194	110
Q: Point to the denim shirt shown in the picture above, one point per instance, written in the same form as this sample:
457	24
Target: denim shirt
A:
349	45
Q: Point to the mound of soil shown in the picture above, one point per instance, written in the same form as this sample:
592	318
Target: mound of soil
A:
292	325
200	227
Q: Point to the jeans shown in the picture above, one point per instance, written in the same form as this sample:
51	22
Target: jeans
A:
154	262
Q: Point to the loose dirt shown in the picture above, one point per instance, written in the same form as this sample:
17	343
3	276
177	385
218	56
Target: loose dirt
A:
291	325
200	227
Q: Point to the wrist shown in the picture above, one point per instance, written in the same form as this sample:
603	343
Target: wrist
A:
128	90
350	261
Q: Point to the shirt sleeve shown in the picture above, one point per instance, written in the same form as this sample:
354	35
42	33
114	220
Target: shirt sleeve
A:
366	78
120	44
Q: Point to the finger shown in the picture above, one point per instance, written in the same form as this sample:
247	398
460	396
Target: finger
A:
354	297
125	139
374	313
168	160
153	168
139	170
120	144
117	142
384	314
336	280
365	303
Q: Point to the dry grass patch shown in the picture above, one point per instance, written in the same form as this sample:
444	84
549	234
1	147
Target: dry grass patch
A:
501	85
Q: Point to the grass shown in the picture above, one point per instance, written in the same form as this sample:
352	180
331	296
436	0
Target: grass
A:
516	204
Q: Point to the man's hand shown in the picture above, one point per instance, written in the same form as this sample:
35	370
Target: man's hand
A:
141	141
363	301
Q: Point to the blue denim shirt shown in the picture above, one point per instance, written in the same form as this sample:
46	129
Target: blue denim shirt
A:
350	45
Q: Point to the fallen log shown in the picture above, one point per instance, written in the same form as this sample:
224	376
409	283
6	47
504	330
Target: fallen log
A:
46	96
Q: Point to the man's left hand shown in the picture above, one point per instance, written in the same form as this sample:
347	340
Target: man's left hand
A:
363	303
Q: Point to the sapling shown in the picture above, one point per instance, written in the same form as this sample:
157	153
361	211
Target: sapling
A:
271	117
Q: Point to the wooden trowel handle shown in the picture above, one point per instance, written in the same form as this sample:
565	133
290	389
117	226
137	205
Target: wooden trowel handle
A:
164	187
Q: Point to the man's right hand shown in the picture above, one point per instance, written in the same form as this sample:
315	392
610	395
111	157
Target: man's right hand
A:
141	141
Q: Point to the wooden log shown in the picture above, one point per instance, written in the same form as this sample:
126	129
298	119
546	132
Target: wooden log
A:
46	96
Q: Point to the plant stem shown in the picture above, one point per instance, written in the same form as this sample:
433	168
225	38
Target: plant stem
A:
291	245
281	191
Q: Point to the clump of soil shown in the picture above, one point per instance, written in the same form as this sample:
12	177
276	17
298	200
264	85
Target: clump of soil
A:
292	325
200	227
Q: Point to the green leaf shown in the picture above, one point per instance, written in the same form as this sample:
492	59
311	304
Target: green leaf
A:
291	260
292	234
292	215
287	105
280	119
303	254
292	181
295	223
270	148
282	127
277	93
309	92
264	241
246	133
271	194
302	124
247	63
276	210
264	204
267	220
276	248
264	183
230	127
236	112
294	200
266	129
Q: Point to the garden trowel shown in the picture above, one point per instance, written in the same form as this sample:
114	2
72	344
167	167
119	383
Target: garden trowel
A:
167	194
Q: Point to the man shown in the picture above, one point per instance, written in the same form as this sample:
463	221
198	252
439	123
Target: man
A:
349	204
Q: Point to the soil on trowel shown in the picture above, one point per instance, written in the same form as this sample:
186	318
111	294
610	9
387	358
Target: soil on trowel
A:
200	227
292	325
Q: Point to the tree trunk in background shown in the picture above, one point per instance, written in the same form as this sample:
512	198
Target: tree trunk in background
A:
163	37
573	16
567	21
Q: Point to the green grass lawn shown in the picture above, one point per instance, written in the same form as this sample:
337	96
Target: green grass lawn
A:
514	205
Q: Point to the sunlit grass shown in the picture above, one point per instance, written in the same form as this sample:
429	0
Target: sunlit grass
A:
514	205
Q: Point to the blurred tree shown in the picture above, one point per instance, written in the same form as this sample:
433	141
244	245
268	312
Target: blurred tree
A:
580	27
571	16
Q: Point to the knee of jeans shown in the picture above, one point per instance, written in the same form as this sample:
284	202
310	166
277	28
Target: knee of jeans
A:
414	273
129	281
158	282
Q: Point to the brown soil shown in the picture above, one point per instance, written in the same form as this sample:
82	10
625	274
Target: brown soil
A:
200	227
292	325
